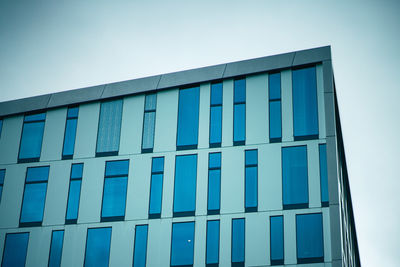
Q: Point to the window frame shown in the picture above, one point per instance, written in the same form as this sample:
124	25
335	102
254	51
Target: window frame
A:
217	144
279	261
240	263
219	242
35	159
37	223
274	139
238	103
156	215
51	243
323	203
114	218
74	221
145	111
135	243
250	209
70	118
211	211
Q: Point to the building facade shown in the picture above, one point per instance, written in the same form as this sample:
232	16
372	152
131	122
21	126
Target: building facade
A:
239	164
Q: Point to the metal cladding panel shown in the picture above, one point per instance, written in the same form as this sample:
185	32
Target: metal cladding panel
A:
131	87
312	55
24	105
76	96
258	65
191	76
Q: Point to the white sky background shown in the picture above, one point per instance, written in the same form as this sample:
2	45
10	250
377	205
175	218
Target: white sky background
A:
47	47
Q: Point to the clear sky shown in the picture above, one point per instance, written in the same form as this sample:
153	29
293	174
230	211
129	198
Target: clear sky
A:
60	45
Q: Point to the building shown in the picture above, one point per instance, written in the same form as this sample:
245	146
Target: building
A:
239	164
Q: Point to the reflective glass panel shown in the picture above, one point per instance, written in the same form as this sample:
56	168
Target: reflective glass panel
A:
182	244
309	237
188	118
239	123
140	251
98	247
114	197
276	239
31	140
15	248
212	250
56	248
238	235
185	184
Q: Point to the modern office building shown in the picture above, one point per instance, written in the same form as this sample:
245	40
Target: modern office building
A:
238	164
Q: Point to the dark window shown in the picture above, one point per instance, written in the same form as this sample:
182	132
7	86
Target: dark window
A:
109	128
32	137
34	196
277	248
149	122
188	118
238	237
70	132
74	193
275	114
2	176
216	115
239	112
156	187
294	177
182	244
114	191
56	246
305	108
212	251
309	236
251	180
98	242
1	126
214	183
323	172
15	248
185	185
140	249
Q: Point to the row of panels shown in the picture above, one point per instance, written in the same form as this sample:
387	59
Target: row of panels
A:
289	237
227	180
253	110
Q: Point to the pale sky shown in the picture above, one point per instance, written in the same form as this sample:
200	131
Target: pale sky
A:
52	46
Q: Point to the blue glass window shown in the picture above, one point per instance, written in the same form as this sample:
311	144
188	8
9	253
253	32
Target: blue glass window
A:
182	244
214	183
109	128
188	118
98	243
32	137
216	115
140	250
1	126
309	237
212	250
34	196
74	193
70	132
323	172
277	248
238	237
56	246
275	114
15	248
305	108
251	181
114	191
239	112
156	186
149	122
294	177
185	185
2	176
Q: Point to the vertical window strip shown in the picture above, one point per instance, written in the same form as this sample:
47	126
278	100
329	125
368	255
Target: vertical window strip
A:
277	240
114	190
251	180
70	132
31	138
212	247
214	183
109	128
238	242
156	187
34	196
2	176
182	244
149	120
74	193
275	108
323	172
55	254
239	112
1	126
188	118
140	246
216	114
